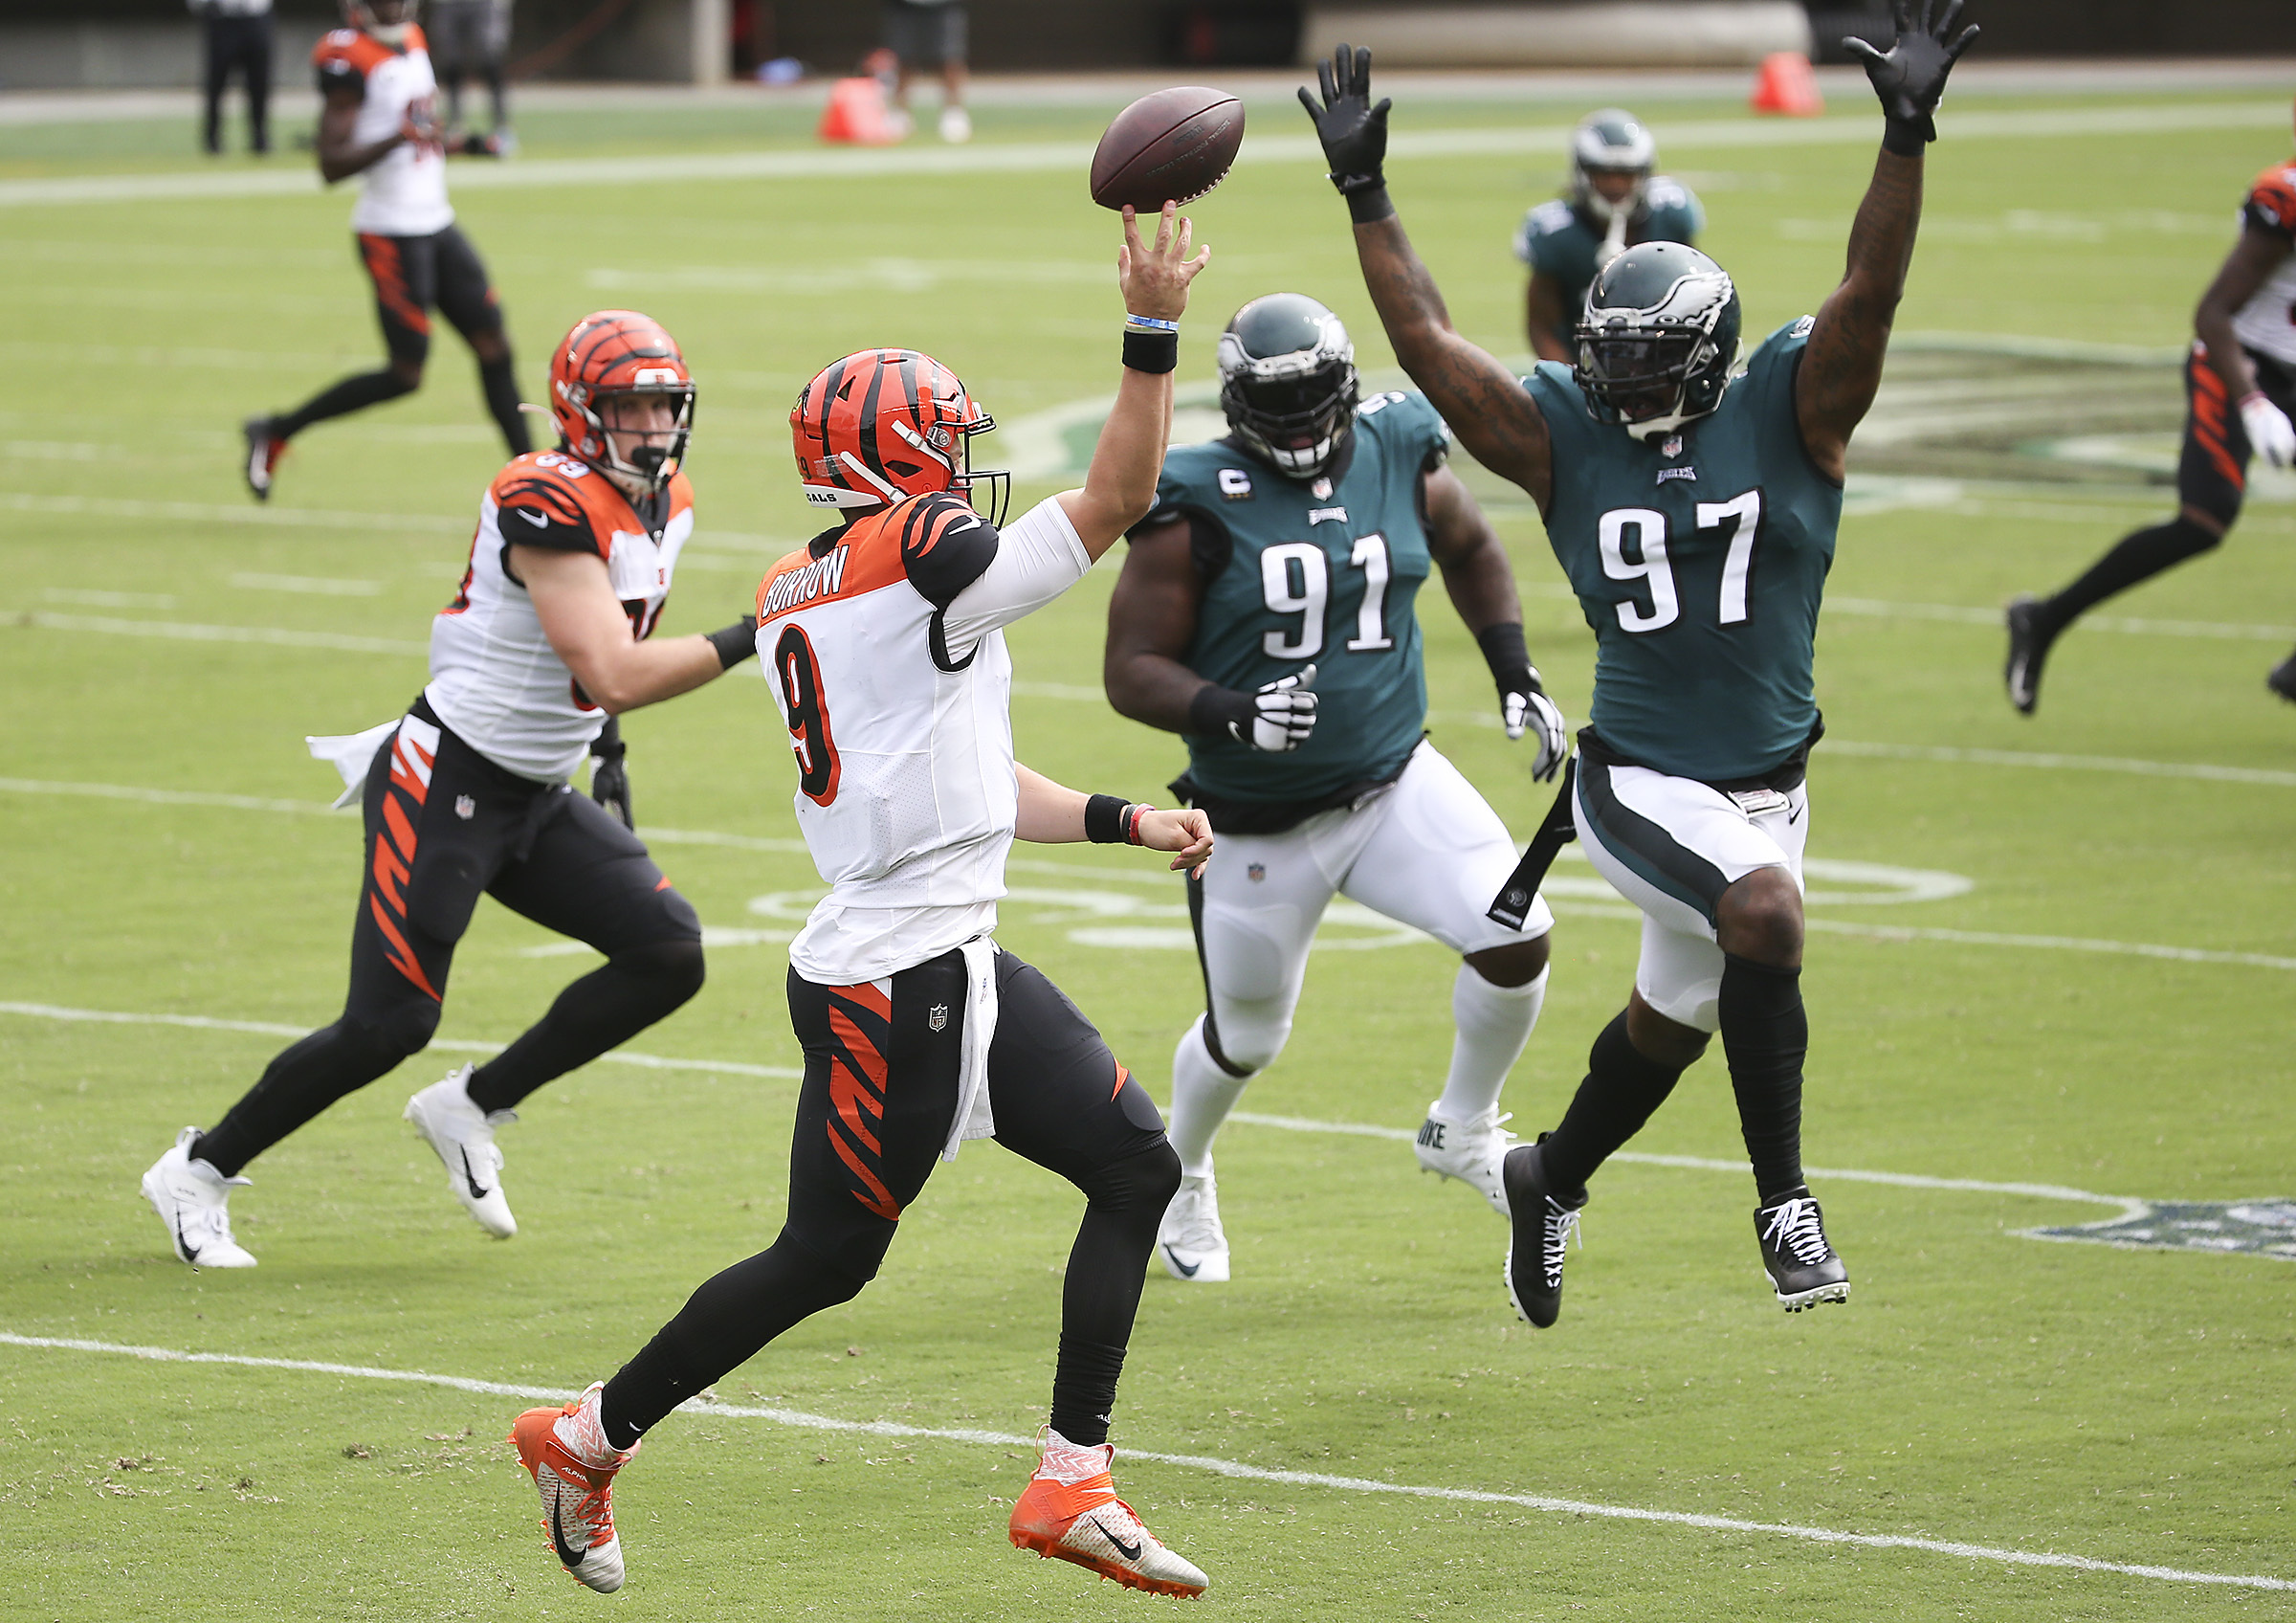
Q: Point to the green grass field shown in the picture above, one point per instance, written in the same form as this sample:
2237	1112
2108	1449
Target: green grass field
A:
167	855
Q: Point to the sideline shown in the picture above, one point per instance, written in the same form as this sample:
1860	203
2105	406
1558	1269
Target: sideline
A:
1230	1468
1072	156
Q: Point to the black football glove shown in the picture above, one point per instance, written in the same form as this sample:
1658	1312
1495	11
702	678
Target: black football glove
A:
1909	76
610	778
1523	701
1352	131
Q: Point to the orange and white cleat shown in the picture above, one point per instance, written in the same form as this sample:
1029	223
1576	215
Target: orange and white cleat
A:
565	1451
1070	1510
264	449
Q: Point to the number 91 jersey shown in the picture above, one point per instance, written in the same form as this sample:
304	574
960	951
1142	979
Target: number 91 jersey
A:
1320	571
1699	558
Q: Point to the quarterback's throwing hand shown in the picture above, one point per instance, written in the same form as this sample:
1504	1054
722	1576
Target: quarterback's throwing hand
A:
1155	278
2270	434
1187	832
1352	131
1909	76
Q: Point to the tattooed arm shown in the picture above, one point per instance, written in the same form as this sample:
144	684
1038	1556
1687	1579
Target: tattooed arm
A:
1842	368
1484	404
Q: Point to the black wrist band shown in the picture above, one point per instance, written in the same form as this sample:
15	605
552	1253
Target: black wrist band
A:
1504	650
1215	709
1368	205
1906	137
1151	351
1105	816
734	643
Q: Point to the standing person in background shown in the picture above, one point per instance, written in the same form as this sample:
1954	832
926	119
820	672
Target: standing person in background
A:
473	36
238	36
929	32
1613	202
2239	385
378	121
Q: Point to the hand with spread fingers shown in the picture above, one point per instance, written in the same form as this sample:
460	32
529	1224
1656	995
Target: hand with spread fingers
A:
1909	76
1155	277
1352	131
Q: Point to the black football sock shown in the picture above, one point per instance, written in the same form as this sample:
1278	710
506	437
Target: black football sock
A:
1107	1266
722	1327
502	393
2137	557
354	393
1622	1086
299	1084
1766	1036
604	1010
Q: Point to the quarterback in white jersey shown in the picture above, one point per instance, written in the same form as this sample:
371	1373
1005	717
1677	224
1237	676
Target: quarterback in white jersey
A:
545	643
883	639
377	121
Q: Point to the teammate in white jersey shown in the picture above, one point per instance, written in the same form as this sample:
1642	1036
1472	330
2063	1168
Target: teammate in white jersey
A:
2240	383
887	654
545	641
378	121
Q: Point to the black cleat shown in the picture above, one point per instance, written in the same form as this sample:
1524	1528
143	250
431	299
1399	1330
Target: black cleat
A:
2029	640
264	449
2283	679
1803	1269
1543	1227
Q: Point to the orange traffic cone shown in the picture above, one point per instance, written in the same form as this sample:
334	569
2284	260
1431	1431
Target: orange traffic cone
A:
1786	85
856	114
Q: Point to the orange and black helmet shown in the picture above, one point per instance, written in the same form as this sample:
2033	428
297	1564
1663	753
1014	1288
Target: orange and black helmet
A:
883	424
620	352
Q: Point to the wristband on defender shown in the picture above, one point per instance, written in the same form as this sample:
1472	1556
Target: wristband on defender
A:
1906	137
1368	203
1152	348
1216	711
1105	817
1505	652
734	643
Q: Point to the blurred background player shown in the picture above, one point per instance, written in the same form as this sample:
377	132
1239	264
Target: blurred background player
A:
1696	513
889	666
471	38
1267	611
2239	385
549	638
1613	203
378	121
237	38
929	33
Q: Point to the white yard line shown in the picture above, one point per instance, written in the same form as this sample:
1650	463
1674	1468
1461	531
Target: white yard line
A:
1963	614
219	513
1233	1469
184	631
273	1028
2045	761
1037	157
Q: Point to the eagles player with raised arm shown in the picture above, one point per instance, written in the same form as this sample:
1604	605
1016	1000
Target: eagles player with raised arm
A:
884	641
1267	612
1613	202
2239	385
1695	513
548	639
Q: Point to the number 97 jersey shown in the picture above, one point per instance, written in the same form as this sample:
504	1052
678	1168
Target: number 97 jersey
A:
1699	557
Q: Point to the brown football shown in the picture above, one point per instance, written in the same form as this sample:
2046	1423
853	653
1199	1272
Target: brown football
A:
1172	147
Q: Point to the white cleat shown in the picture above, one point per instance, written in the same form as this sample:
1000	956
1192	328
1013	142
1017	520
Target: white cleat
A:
464	1137
189	1197
565	1451
956	125
1190	1240
1472	1151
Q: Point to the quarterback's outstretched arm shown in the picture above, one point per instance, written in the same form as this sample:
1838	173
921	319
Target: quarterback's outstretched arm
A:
1841	366
1484	403
1120	487
1050	814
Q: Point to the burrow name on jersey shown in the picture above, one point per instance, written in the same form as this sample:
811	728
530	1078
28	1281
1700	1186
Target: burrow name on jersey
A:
823	577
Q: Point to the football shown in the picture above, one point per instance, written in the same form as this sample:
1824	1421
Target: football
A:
1172	147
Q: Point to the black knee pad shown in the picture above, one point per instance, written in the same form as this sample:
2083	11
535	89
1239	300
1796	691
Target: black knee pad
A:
406	1027
674	969
1145	1182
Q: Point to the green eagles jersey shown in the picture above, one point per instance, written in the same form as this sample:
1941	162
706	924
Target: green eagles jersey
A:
1318	572
1699	558
1556	238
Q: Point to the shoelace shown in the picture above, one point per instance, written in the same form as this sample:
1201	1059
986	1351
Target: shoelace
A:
1793	1227
1561	1228
1198	1230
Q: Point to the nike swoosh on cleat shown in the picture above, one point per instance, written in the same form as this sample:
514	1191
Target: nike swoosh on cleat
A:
1187	1271
1129	1552
569	1557
190	1252
472	1178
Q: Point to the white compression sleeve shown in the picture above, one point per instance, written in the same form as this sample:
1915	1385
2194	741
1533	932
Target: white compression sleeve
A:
1038	558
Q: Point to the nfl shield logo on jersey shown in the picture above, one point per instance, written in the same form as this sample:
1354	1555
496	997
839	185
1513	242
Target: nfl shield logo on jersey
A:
938	1017
1672	446
465	808
1256	872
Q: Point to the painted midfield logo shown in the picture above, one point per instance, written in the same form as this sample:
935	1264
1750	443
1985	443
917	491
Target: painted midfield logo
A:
938	1017
2258	1228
